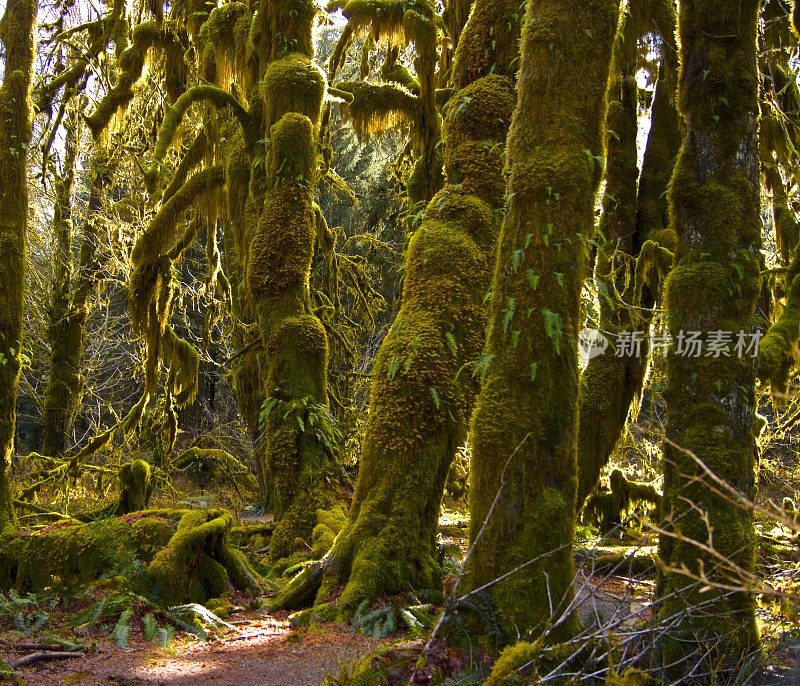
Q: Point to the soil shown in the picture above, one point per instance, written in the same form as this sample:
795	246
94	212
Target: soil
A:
260	651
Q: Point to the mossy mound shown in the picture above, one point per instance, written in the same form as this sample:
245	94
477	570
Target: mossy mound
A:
174	556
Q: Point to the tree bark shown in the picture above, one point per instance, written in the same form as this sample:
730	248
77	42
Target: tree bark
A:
17	36
525	425
423	392
714	199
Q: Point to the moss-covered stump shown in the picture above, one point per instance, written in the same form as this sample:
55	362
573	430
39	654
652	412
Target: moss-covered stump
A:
525	425
423	392
174	556
608	508
711	401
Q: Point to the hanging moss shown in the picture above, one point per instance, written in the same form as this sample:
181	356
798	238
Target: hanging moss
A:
131	63
421	394
714	198
175	114
796	17
525	424
17	35
378	108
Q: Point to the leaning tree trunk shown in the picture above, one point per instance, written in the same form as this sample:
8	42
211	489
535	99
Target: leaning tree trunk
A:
709	538
525	426
17	38
422	395
631	217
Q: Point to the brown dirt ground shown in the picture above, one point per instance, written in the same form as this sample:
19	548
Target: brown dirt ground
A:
263	651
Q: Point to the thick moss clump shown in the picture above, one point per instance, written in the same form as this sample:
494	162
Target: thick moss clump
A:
293	84
422	394
525	425
186	555
297	446
378	108
607	508
17	35
714	200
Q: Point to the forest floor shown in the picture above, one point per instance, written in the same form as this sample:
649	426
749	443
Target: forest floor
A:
262	650
257	648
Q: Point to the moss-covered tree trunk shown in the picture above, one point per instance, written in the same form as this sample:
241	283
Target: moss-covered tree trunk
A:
631	217
422	393
525	426
298	452
69	311
610	381
710	400
17	38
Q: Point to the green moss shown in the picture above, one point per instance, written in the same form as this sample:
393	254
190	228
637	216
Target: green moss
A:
421	395
525	424
776	353
196	565
175	114
714	199
378	108
489	44
17	35
166	36
293	84
607	508
506	669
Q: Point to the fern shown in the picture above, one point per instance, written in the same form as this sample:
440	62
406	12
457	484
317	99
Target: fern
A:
194	618
149	626
122	629
394	365
508	315
164	635
553	328
451	342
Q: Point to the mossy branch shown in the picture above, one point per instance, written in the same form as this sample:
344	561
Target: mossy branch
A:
145	36
377	108
174	116
776	353
44	95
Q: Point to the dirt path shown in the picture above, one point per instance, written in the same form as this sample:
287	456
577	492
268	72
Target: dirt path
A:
264	652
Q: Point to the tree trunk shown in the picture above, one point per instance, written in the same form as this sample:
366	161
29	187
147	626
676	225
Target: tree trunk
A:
611	384
423	392
710	400
525	426
68	315
298	438
17	36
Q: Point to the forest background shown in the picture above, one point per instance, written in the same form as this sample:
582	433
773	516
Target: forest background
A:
338	264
